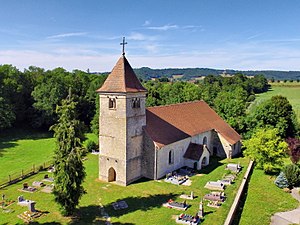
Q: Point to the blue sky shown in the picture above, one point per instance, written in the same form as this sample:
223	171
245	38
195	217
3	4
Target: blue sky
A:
222	34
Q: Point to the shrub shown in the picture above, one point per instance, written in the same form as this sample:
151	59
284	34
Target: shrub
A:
91	145
292	174
41	168
281	181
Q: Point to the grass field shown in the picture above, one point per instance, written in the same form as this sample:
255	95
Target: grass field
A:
21	149
289	90
144	198
264	199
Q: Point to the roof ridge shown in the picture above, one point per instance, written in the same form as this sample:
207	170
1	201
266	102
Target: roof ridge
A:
175	104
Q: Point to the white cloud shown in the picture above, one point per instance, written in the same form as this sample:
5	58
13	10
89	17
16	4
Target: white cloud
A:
175	27
67	35
24	59
164	28
147	23
136	36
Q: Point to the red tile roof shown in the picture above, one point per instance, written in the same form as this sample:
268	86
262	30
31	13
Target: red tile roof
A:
194	152
122	79
168	124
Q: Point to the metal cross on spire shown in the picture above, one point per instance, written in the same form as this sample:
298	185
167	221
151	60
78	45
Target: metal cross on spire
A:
123	43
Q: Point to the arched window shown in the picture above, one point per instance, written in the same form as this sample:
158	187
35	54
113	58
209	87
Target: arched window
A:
112	103
136	103
171	157
205	141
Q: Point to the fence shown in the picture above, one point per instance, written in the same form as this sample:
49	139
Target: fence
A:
235	203
24	173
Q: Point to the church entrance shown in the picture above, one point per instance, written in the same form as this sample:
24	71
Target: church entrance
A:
112	175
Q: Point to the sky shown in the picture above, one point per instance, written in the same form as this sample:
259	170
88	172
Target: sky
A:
86	34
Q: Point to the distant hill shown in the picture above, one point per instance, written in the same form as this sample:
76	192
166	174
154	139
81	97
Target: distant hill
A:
147	73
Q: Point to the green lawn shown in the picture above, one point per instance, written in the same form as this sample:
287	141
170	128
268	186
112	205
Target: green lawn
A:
289	90
264	199
21	149
144	198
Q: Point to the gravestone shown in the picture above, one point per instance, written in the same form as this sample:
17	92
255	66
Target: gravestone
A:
31	207
201	210
192	195
20	198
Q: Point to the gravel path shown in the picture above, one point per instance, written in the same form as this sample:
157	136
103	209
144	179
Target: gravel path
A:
290	217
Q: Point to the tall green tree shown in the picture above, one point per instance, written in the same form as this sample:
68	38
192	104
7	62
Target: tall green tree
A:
266	148
7	117
231	106
69	169
276	112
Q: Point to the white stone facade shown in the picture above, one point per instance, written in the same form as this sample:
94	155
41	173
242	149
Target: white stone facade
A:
121	137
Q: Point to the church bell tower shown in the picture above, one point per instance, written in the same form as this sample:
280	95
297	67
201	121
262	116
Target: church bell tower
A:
121	120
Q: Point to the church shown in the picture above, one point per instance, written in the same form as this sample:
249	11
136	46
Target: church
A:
136	142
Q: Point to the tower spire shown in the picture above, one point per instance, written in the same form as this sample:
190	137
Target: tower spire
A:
123	43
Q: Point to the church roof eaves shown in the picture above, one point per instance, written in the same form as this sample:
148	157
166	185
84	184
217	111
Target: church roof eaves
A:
171	123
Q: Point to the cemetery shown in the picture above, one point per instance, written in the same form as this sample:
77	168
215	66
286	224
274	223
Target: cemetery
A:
124	204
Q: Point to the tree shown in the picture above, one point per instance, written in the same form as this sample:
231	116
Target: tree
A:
231	106
294	149
15	88
266	148
281	181
7	117
69	170
276	112
48	93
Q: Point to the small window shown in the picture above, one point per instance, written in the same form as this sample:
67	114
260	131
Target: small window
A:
171	157
112	103
136	103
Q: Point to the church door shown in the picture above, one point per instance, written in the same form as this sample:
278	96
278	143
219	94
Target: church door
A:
112	175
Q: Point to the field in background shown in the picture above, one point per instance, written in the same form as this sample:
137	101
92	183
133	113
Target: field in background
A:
291	90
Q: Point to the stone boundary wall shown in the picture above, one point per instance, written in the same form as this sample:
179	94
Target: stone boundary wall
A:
235	203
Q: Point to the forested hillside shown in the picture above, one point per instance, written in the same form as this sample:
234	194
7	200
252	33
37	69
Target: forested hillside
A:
146	73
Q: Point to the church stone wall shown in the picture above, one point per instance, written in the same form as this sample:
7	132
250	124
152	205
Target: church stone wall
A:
178	148
136	120
121	136
105	163
198	139
133	169
112	138
148	161
112	123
